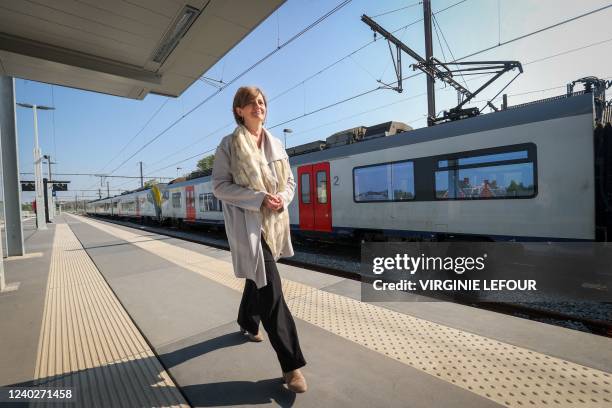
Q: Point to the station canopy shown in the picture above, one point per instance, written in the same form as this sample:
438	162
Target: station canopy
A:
123	48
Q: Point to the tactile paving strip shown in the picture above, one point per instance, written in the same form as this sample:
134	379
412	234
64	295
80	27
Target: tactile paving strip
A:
88	342
509	375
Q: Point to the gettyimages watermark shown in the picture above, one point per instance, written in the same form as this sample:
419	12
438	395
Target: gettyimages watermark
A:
487	272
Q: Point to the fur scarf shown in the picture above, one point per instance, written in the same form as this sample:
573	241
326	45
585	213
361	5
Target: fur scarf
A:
249	169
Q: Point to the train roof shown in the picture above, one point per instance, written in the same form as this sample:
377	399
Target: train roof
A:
551	108
189	182
127	193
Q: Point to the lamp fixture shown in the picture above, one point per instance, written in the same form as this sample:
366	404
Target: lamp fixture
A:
176	32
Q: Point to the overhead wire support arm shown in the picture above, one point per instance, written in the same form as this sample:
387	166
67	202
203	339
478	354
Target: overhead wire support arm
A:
436	69
397	66
503	67
399	46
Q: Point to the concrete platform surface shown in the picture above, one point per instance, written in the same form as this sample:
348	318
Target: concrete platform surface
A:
182	299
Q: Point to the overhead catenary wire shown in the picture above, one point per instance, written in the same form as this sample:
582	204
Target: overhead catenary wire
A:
386	105
236	78
524	36
549	57
498	22
349	117
369	91
450	50
271	127
435	26
398	9
93	175
153	116
276	125
411	98
186	159
310	77
538	90
190	146
528	35
560	23
405	28
350	98
172	165
344	100
135	135
568	51
416	74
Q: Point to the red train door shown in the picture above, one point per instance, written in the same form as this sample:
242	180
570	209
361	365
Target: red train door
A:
314	194
305	196
190	203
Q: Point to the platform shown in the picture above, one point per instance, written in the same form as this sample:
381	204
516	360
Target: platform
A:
131	318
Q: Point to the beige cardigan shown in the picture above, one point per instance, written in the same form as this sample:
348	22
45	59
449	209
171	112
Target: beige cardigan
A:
241	210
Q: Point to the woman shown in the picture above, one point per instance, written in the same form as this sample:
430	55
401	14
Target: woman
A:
252	177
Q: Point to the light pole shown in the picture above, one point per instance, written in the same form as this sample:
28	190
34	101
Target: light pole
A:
285	131
177	171
38	182
141	178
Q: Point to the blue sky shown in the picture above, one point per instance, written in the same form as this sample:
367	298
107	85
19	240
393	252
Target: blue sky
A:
87	131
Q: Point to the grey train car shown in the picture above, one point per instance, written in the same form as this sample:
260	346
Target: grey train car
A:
527	173
188	201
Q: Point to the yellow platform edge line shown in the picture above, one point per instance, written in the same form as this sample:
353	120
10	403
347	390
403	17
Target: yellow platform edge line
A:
87	340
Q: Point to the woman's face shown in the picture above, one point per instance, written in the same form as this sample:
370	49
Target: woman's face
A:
254	113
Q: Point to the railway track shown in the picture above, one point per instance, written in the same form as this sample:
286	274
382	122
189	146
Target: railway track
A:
349	269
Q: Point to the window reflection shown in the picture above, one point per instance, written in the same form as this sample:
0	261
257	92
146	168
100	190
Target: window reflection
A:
176	200
386	182
321	187
511	180
371	183
403	181
208	202
305	186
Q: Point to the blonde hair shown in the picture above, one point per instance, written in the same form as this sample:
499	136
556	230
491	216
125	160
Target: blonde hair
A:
244	96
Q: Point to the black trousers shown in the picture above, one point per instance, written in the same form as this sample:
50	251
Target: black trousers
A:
268	305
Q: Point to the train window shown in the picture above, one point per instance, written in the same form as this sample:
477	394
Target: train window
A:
321	187
128	206
502	181
208	202
216	204
402	179
201	203
190	199
384	182
176	200
372	183
305	186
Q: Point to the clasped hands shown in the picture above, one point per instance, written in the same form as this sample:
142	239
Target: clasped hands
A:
273	201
